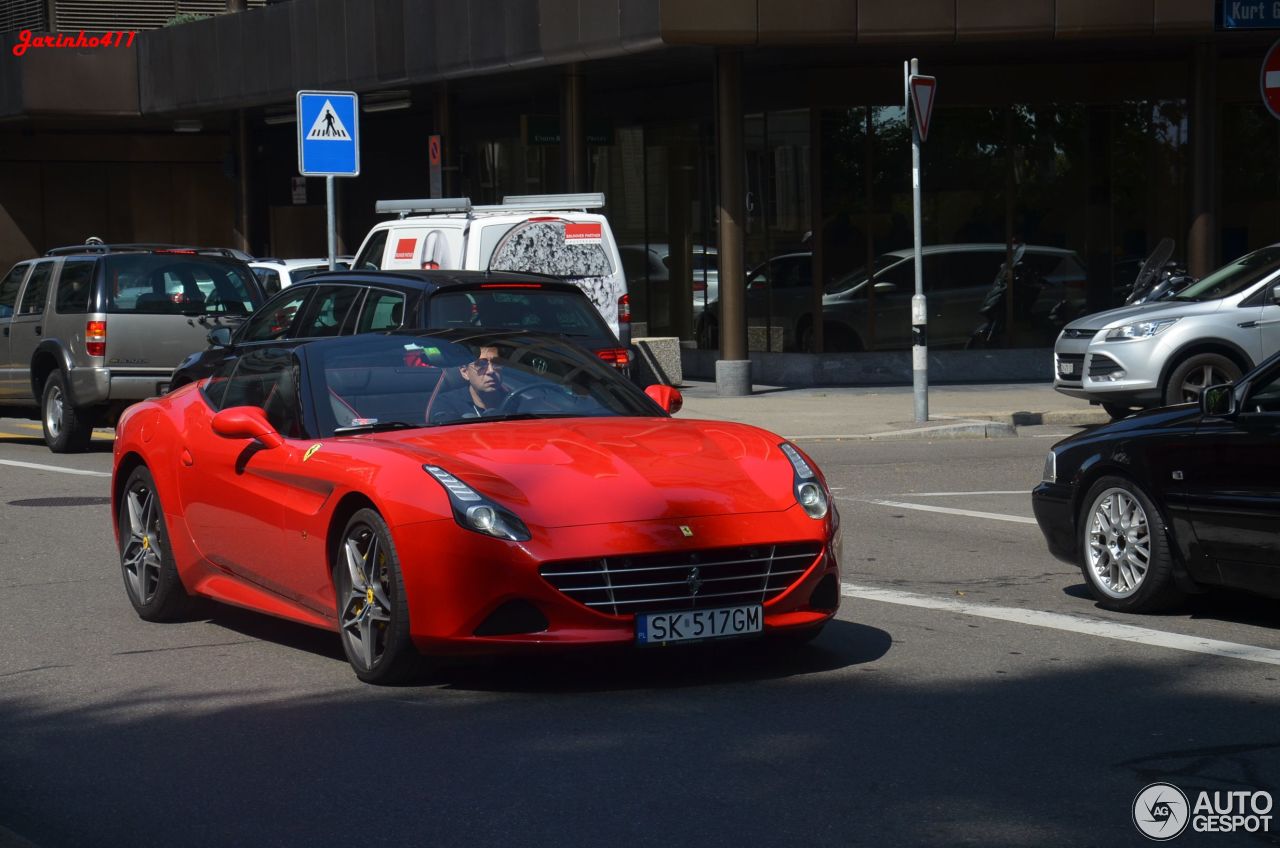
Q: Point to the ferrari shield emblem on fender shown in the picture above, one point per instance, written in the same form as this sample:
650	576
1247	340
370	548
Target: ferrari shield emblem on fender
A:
311	450
684	528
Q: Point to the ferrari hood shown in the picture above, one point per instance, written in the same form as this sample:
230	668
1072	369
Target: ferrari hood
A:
566	472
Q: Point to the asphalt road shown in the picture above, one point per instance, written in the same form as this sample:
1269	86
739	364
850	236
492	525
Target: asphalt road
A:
969	694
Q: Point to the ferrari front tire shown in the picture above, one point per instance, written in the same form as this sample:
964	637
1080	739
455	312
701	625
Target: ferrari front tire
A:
373	613
151	578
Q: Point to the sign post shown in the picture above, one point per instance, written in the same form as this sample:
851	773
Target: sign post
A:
919	91
329	145
434	157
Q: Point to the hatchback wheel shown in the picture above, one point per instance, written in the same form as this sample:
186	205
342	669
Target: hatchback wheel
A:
67	429
1197	373
1124	549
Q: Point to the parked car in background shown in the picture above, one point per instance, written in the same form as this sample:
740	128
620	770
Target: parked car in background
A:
648	269
551	234
1166	352
957	279
1172	500
347	303
89	329
277	274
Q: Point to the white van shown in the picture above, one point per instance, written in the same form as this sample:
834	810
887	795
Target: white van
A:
542	233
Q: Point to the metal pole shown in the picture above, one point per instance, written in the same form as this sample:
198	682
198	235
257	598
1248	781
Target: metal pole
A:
331	215
919	312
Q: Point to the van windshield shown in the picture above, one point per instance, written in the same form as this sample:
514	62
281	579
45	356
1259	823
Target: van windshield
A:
556	247
1235	277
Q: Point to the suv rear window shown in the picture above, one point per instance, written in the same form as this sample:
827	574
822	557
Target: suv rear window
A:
169	283
539	247
544	310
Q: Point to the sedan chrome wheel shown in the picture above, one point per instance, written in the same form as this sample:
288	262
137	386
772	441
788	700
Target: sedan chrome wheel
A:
140	554
366	611
1119	540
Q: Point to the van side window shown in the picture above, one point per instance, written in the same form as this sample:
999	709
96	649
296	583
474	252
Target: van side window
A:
9	289
370	259
541	247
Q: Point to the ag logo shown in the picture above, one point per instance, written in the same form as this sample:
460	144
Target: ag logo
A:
1161	812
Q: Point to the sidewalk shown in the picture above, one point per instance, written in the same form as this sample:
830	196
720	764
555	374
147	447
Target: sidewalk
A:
888	412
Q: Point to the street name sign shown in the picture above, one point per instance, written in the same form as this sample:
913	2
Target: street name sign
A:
328	134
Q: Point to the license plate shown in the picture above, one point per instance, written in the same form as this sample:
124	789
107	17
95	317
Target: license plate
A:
694	625
1067	368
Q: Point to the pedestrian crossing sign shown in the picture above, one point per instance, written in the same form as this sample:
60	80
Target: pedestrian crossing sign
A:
328	134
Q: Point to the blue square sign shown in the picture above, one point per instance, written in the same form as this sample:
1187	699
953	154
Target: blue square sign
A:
328	134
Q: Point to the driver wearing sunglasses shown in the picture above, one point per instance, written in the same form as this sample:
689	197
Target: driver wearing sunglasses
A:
481	392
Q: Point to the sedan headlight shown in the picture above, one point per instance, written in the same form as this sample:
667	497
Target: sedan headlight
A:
1050	474
1141	330
476	512
810	493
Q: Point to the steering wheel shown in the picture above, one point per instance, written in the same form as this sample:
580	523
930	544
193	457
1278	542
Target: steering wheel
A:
509	403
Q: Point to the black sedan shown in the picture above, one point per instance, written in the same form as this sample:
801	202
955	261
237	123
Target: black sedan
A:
343	303
1166	502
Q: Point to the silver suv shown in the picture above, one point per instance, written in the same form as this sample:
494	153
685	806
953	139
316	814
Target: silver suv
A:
1166	352
89	329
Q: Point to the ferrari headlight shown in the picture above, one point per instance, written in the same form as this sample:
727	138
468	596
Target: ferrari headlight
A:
476	512
1141	330
810	493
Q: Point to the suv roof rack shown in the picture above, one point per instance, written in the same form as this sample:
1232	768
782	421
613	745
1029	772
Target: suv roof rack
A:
72	249
510	203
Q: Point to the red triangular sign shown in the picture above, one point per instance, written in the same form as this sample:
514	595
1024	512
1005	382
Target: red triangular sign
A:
922	91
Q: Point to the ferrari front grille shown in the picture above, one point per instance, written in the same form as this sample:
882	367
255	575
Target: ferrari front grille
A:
719	577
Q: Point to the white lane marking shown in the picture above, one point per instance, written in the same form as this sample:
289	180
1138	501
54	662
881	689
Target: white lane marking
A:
948	510
1070	623
961	494
39	467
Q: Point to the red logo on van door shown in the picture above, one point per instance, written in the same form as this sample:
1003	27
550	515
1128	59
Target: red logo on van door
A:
404	248
582	234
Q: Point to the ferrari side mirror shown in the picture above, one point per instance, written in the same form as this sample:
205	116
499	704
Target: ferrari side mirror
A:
246	422
667	397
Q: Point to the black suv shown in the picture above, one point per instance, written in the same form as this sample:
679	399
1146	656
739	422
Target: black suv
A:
348	302
91	328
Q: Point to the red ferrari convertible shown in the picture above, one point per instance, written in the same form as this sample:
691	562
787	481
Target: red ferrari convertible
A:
426	494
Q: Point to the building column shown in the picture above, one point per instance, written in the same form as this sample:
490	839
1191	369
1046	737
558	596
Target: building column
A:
243	158
1201	242
573	133
733	369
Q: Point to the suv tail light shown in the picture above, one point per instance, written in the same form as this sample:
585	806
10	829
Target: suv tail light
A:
95	338
615	356
624	309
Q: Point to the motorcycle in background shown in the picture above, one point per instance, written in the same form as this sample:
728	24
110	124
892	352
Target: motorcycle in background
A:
1159	278
1027	285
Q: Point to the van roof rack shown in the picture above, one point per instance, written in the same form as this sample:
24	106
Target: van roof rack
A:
510	203
423	206
585	200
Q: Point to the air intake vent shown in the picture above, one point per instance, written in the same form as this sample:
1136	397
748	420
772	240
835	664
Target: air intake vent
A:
720	577
17	15
101	16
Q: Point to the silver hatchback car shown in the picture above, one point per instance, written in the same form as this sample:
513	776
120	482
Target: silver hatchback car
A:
1165	353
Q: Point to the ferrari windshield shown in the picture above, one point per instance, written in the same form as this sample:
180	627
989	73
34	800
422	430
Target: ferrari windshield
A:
374	382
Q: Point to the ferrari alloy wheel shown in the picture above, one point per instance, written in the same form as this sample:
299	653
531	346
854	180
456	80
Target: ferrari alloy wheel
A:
1125	554
373	615
150	577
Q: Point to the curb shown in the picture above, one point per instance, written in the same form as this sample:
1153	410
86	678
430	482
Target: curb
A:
958	430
